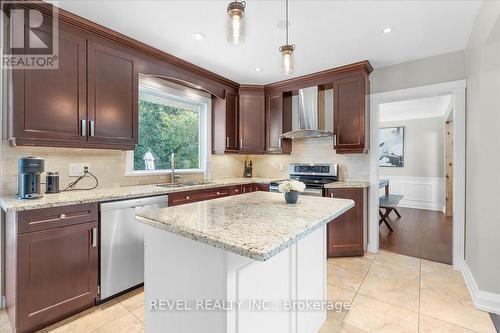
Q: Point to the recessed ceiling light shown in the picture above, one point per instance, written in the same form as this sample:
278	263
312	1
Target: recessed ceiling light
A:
198	36
387	30
258	69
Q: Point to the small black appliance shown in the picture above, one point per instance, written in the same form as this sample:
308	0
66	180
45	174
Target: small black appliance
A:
52	182
247	171
29	176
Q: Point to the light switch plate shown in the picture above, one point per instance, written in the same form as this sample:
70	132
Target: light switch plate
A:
76	169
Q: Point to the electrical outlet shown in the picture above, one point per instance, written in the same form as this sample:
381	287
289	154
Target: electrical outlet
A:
77	169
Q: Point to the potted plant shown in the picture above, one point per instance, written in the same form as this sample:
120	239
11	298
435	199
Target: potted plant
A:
291	189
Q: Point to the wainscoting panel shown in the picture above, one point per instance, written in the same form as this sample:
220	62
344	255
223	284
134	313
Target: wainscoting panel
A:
419	192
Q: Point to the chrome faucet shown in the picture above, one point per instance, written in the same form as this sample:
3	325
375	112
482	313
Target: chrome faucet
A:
173	176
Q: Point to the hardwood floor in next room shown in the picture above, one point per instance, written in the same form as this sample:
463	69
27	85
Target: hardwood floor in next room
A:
419	233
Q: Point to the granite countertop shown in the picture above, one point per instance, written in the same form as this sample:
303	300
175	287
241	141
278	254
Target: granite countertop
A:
10	203
257	225
348	184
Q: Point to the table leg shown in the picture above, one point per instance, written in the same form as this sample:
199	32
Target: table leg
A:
383	218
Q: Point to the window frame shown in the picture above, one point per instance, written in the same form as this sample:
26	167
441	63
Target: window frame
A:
186	95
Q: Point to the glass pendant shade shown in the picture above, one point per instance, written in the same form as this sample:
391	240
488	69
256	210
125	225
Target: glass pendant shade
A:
236	22
287	58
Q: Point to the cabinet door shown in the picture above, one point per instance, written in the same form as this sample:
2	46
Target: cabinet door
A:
49	105
274	122
346	233
350	113
57	275
225	124
252	120
231	122
181	198
112	96
275	125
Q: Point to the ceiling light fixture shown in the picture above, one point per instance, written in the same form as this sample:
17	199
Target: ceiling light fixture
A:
387	30
258	69
198	36
287	49
236	22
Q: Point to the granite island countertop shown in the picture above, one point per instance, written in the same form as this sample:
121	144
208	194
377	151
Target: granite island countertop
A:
10	203
257	225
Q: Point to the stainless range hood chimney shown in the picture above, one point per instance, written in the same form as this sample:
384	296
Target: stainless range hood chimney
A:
312	114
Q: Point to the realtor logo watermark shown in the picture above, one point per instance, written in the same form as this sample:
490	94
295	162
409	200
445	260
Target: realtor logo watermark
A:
32	41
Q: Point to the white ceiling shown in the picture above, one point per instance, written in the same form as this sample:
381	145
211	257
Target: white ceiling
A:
327	34
429	107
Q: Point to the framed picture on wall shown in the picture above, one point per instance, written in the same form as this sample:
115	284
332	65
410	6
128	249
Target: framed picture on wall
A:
391	147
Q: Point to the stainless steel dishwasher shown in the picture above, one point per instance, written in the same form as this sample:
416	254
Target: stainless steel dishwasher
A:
122	243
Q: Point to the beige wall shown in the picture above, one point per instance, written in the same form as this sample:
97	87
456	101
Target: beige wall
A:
421	72
483	152
424	148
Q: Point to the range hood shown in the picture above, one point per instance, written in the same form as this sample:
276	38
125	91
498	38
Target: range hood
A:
312	114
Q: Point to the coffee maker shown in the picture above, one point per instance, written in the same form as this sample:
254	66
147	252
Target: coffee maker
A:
29	179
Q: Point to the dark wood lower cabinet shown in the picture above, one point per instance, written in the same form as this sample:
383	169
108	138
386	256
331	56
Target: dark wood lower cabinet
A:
52	273
346	234
185	197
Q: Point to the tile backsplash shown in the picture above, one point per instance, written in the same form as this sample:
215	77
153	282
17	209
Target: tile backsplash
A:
109	165
317	150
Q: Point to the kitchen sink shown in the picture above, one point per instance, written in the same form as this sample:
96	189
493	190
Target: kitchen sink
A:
187	183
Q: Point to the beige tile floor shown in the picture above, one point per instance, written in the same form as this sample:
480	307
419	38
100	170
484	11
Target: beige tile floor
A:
395	293
388	293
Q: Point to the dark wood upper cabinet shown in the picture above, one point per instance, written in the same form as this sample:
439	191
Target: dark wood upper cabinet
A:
351	113
48	105
225	124
346	234
89	101
276	124
252	119
112	95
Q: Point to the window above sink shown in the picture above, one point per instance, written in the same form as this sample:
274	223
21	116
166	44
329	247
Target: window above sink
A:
172	118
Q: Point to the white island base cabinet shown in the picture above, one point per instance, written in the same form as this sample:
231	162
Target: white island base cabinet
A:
186	281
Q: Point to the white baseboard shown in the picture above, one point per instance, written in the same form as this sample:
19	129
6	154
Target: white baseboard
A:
483	300
418	192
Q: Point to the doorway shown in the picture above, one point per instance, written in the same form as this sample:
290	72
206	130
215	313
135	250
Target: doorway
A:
414	194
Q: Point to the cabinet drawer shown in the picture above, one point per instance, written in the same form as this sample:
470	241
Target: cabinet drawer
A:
181	198
235	190
54	217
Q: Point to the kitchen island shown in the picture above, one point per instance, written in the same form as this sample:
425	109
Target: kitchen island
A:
246	263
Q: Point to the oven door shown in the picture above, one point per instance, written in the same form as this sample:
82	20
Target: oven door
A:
314	191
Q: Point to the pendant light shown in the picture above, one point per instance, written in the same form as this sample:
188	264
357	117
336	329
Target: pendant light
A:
287	49
236	22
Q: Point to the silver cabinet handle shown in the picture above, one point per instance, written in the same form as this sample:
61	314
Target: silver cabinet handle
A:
94	237
241	143
92	128
335	139
279	143
236	190
62	216
188	197
331	195
84	127
218	193
227	141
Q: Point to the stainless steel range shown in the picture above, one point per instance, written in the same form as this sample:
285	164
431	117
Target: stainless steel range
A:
315	176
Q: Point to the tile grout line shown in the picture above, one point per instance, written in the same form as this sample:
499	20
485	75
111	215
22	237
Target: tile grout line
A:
357	290
109	322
